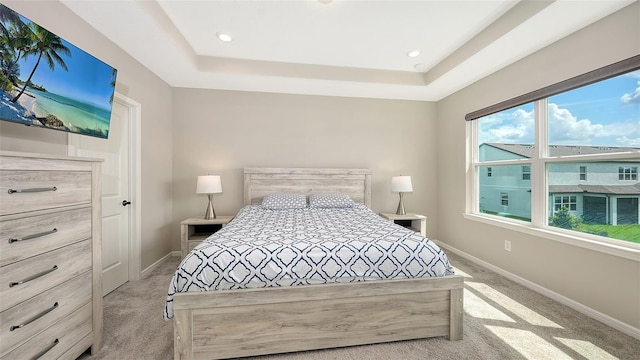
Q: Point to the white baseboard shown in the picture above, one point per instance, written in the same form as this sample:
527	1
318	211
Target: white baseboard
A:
150	268
603	318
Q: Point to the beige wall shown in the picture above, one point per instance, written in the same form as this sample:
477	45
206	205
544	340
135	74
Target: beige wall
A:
221	132
135	82
606	283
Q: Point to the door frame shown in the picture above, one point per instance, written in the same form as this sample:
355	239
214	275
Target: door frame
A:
134	110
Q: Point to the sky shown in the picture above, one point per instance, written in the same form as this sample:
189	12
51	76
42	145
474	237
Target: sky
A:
88	79
606	113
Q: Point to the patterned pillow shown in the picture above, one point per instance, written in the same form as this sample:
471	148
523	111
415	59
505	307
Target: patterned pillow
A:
281	201
330	200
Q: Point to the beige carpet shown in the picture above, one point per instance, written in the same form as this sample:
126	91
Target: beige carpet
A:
503	320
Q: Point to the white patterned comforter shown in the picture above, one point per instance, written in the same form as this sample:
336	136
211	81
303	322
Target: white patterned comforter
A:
271	248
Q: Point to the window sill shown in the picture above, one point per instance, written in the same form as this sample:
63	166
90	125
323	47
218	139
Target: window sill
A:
630	251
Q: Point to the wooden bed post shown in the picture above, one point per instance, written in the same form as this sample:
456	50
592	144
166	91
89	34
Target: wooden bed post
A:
456	315
182	335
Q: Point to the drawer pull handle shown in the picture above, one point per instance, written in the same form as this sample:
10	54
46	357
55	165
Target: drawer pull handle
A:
33	277
33	236
32	190
43	352
15	327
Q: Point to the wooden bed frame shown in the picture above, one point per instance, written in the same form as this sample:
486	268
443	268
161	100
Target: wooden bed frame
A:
236	323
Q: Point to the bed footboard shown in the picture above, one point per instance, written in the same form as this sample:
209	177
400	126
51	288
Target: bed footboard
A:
235	323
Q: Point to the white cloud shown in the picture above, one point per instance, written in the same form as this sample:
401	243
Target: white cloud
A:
631	98
633	74
514	127
566	129
517	127
625	141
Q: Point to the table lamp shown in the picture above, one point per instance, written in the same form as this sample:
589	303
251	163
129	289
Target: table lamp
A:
401	184
209	184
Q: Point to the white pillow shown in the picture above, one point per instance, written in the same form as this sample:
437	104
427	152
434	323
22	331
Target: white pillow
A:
330	200
281	201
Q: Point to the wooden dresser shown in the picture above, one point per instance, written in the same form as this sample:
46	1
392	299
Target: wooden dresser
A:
50	256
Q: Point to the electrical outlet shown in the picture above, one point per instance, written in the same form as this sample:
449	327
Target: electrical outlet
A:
507	245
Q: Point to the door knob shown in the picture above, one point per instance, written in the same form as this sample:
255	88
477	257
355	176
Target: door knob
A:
125	202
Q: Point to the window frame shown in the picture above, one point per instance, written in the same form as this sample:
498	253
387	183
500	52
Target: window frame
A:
632	173
526	172
571	203
540	197
504	198
582	171
539	190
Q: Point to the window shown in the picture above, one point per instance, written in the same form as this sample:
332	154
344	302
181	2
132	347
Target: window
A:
567	201
583	173
497	191
627	173
583	129
505	198
503	146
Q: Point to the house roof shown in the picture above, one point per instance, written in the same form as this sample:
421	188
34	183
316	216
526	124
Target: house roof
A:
527	150
597	189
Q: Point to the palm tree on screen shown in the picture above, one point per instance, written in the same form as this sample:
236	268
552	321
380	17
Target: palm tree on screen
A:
10	71
7	16
13	47
46	45
15	42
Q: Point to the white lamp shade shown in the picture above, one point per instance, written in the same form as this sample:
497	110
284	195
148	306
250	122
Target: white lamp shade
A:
401	184
209	184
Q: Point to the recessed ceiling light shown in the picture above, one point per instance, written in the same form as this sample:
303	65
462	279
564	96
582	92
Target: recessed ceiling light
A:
413	53
420	67
224	37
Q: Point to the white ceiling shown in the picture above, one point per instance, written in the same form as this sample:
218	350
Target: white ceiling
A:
354	48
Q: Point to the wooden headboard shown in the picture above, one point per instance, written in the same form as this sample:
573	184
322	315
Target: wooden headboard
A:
259	182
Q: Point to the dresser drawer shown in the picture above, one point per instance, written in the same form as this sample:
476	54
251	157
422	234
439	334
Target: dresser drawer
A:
42	272
55	340
28	318
22	191
25	237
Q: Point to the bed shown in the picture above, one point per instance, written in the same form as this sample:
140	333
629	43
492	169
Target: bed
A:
237	322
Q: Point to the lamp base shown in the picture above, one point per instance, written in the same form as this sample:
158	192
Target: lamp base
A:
210	213
400	210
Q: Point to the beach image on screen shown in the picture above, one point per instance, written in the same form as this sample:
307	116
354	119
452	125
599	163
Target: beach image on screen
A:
48	82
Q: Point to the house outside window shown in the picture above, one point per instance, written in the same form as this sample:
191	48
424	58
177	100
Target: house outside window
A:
504	194
489	171
540	183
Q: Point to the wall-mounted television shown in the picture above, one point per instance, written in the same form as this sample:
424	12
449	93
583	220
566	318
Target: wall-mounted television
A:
50	83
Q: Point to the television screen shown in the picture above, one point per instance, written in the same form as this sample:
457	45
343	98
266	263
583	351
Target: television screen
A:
48	82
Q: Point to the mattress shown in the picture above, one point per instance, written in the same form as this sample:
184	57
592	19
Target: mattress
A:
274	248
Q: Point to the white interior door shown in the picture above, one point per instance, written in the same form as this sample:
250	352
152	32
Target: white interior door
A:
115	193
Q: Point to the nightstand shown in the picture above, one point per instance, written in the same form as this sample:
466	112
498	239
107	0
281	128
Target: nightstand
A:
415	222
194	230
